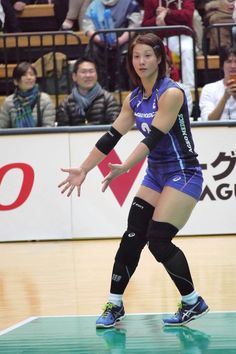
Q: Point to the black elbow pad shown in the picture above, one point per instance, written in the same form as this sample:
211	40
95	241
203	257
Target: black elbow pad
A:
153	138
108	141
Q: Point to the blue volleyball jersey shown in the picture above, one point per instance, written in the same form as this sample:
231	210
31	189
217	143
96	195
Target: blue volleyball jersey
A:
176	147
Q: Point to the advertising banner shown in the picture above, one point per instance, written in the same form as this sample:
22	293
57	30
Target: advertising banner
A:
33	208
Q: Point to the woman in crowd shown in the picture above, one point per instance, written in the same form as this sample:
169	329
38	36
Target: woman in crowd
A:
27	106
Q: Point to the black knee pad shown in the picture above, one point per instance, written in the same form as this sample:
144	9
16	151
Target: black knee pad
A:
159	237
134	238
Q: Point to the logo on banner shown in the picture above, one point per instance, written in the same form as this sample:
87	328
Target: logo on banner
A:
122	184
26	187
223	191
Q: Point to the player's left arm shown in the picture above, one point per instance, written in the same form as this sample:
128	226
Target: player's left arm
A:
169	106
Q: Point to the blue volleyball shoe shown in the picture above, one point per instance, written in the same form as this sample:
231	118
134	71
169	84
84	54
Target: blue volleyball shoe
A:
110	316
187	313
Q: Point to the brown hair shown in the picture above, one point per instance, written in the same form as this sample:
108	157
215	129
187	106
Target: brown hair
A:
21	69
226	52
157	45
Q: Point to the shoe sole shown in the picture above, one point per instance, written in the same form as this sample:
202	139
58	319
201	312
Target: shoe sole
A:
100	325
189	320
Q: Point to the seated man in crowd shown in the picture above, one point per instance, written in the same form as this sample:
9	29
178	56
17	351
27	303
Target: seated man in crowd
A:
27	106
218	99
88	102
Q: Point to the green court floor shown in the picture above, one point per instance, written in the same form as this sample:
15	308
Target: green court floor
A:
215	333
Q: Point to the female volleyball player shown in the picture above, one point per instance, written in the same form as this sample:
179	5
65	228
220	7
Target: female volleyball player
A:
170	188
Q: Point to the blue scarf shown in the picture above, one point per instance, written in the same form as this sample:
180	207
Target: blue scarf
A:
82	102
118	11
24	101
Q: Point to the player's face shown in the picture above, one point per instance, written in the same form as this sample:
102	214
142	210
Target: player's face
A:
27	81
86	76
144	61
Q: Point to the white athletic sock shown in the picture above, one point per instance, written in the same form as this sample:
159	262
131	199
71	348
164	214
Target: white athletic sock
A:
116	299
190	299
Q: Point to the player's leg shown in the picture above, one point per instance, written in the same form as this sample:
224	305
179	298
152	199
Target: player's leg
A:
174	209
126	260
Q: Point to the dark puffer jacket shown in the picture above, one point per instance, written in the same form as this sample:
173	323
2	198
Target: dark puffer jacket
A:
103	110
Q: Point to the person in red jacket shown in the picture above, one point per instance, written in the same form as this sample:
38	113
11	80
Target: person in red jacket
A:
173	13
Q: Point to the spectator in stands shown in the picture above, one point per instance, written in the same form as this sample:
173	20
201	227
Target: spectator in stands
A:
120	14
8	20
218	12
234	12
200	7
218	99
20	5
165	13
76	12
172	72
198	27
172	69
2	17
88	102
27	107
234	21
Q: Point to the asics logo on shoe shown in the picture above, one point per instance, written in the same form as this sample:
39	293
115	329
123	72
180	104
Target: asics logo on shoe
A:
131	234
175	179
190	312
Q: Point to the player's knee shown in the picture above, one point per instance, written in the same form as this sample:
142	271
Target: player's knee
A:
130	247
159	238
140	214
134	238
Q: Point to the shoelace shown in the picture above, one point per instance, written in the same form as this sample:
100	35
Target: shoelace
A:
180	308
107	308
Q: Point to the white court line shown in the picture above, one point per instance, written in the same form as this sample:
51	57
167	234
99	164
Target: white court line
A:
30	319
128	314
17	325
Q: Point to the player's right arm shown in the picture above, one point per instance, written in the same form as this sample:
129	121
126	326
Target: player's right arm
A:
123	123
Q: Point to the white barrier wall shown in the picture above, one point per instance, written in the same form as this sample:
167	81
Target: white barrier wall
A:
32	207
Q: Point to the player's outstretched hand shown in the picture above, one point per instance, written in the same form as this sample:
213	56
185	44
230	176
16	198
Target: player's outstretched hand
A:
116	170
75	179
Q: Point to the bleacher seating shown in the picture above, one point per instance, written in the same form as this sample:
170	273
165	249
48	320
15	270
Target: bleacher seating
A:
213	63
29	46
38	17
37	10
48	48
44	39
